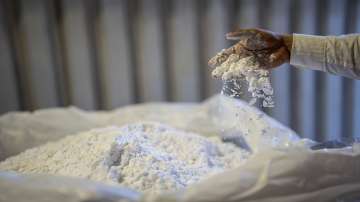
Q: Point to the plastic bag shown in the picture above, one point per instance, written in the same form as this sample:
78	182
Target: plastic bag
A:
42	188
218	115
282	167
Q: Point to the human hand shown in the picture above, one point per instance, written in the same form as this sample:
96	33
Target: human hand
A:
270	49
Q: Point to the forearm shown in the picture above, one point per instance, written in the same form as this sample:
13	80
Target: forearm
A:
337	55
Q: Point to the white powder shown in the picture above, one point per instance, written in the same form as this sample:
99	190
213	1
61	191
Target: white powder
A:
148	157
234	69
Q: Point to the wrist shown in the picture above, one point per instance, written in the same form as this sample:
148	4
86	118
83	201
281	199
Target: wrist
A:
288	41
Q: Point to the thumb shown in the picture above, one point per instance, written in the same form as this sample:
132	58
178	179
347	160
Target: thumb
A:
279	57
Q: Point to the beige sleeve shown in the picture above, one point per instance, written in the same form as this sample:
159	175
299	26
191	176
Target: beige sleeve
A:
338	55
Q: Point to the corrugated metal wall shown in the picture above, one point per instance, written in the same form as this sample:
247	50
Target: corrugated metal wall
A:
102	54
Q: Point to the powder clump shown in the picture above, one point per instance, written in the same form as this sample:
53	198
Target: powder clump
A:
146	156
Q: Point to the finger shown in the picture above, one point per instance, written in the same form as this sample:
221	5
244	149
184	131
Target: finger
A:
255	39
224	54
239	49
218	59
241	34
221	57
253	32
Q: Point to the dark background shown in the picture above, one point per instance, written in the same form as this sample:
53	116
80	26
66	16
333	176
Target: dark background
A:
109	53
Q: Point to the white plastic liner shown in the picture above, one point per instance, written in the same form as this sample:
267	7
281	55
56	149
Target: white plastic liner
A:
282	167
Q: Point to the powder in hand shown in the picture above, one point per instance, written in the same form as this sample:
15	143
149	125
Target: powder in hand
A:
234	69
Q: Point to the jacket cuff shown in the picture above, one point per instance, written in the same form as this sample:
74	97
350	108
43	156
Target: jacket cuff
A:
308	52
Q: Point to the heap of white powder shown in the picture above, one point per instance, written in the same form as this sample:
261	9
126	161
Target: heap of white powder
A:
234	69
148	157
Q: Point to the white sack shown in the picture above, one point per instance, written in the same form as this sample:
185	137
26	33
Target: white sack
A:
281	169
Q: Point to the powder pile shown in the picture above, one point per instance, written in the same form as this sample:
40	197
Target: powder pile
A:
148	157
234	69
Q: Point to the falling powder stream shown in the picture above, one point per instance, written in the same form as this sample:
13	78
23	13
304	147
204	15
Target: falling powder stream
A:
235	69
